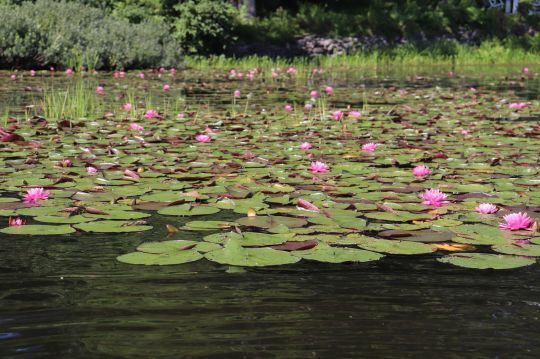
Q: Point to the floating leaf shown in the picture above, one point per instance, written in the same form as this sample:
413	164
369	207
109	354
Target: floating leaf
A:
110	226
38	229
529	250
272	221
479	234
486	261
398	216
64	219
168	258
296	245
176	245
453	247
328	254
395	247
234	254
207	225
188	210
248	239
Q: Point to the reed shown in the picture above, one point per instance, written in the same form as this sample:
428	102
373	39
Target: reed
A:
76	101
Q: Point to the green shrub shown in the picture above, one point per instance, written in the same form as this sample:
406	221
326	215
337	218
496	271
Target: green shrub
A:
205	26
51	32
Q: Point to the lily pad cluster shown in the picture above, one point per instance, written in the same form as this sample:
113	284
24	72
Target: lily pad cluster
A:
246	195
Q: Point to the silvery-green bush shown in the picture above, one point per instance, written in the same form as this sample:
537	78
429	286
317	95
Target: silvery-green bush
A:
60	33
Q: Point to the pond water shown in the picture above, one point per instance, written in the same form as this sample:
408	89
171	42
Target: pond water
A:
67	295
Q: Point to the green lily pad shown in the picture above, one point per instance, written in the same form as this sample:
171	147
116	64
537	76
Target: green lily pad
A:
252	239
479	234
272	221
207	225
394	246
235	255
328	254
397	216
63	219
188	210
38	229
111	226
529	250
118	215
168	258
39	211
176	245
486	261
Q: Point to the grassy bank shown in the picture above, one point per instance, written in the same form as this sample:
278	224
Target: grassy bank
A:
488	53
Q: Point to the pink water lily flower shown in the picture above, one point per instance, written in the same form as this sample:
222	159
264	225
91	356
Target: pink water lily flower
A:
288	108
525	70
318	167
237	93
127	106
337	115
433	197
100	90
141	75
313	94
307	206
329	90
166	87
203	138
516	221
34	195
13	77
369	147
291	71
421	171
355	114
518	105
486	208
306	146
172	70
91	170
135	127
151	114
65	163
308	106
17	221
69	72
32	73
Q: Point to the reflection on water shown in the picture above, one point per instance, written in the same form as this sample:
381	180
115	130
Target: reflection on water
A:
67	296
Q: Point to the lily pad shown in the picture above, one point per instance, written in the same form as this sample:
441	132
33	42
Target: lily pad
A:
272	221
111	226
188	210
486	261
529	250
176	245
38	230
398	216
394	246
235	255
329	254
168	258
252	239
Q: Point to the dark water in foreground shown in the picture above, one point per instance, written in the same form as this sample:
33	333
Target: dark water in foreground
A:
68	297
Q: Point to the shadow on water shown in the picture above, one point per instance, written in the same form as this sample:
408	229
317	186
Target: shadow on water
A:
67	296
